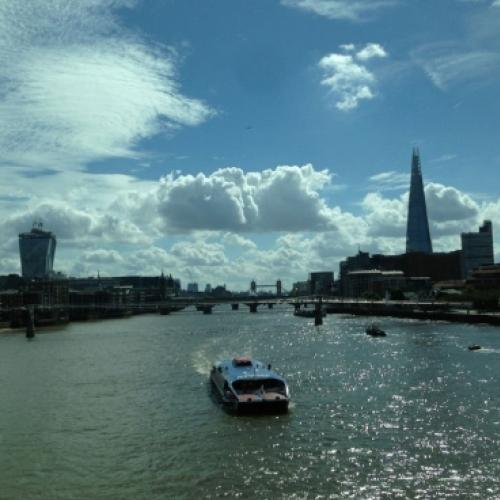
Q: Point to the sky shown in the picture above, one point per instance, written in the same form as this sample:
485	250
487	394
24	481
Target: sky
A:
224	141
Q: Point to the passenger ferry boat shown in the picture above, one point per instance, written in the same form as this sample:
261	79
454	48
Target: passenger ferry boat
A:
247	385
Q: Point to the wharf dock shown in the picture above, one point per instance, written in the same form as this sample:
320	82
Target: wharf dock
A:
458	313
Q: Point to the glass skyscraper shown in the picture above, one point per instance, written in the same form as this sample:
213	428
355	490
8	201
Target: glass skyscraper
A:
418	237
37	249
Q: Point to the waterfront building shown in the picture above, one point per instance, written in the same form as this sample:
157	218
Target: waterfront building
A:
374	282
418	237
37	249
48	293
300	289
220	291
142	289
321	283
441	266
192	287
11	282
477	249
359	261
486	277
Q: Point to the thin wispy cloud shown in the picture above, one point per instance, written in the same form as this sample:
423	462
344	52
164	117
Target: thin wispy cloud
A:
76	87
448	64
353	10
443	158
347	76
389	181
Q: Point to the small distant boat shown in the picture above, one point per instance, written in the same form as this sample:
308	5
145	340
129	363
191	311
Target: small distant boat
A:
474	347
308	313
247	385
375	331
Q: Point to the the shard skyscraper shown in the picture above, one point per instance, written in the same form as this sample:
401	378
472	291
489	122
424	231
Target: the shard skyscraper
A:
418	238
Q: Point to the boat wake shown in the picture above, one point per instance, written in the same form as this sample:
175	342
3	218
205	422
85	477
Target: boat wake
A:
201	362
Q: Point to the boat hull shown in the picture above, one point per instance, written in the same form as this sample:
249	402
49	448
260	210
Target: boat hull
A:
262	408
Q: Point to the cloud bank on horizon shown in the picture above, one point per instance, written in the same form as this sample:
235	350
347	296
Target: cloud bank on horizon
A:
214	223
82	85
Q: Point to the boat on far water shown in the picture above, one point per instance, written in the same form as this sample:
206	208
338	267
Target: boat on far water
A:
375	331
247	385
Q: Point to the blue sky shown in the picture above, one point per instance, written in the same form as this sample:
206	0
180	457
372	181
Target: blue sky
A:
230	140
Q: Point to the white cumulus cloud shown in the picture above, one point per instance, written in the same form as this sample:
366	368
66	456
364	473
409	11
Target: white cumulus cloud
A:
348	77
286	198
447	203
74	226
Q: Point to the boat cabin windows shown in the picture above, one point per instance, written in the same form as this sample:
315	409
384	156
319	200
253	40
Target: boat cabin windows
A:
253	386
242	361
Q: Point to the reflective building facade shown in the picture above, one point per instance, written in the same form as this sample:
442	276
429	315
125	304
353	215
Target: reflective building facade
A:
37	249
418	237
477	249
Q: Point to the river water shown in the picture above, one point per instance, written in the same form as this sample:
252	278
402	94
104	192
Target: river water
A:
121	409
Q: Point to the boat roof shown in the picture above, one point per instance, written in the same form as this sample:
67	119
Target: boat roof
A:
245	368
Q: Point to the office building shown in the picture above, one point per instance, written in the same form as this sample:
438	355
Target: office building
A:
477	249
37	249
486	277
418	237
418	267
359	261
374	282
321	283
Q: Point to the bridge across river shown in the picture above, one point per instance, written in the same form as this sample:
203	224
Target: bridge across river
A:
39	315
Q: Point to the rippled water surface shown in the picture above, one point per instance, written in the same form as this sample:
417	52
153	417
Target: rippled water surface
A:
121	409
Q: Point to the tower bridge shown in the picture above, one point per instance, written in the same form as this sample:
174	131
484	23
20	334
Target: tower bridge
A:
277	285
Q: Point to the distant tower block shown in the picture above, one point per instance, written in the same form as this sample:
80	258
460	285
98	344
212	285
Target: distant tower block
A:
418	237
253	286
278	288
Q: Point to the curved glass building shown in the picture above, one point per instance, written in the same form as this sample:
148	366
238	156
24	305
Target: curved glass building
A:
37	249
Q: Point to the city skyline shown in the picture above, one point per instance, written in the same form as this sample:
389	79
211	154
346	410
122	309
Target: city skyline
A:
243	140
